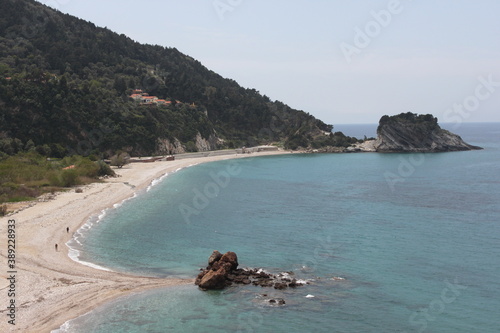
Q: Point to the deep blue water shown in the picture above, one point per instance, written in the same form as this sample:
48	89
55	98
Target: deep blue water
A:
416	238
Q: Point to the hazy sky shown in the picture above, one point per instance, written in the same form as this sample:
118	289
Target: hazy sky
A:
342	61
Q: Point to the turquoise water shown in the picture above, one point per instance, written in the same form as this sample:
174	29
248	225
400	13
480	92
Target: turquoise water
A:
388	242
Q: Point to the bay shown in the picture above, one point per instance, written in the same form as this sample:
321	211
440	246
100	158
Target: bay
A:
388	243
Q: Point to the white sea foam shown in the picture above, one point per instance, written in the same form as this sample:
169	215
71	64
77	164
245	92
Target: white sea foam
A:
156	181
64	328
75	242
285	275
100	216
74	254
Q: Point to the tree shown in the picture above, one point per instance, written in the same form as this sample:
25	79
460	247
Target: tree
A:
120	159
120	85
29	145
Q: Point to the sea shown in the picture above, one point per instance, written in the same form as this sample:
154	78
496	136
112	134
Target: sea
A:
384	242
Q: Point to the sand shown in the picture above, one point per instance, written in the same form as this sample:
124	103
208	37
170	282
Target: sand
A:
51	288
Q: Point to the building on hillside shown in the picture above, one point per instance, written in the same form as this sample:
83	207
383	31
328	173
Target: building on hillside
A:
163	102
136	97
139	96
149	99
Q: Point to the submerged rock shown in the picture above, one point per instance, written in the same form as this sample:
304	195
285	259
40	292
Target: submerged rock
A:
409	132
277	301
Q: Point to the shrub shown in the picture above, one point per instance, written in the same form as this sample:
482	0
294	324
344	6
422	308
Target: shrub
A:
55	179
27	192
191	147
3	210
87	168
69	178
120	159
104	169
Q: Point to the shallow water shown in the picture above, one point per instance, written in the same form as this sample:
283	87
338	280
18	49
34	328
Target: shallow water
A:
413	237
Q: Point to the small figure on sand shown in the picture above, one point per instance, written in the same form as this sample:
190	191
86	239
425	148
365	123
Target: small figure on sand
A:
56	247
67	229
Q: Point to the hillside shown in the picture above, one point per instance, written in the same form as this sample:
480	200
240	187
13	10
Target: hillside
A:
65	85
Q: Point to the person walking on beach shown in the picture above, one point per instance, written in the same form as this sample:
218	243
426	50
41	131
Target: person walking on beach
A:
56	247
67	230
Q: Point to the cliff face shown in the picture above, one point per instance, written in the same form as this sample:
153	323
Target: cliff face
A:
409	132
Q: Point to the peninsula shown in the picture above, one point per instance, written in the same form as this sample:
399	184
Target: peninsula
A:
412	133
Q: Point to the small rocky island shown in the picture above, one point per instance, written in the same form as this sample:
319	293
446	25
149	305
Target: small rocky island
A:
222	271
409	132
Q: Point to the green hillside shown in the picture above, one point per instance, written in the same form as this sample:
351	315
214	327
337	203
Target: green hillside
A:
65	88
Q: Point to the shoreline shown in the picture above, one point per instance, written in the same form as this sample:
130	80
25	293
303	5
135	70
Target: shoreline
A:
51	288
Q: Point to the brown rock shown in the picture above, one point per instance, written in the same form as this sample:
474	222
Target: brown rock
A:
214	280
199	277
216	255
232	258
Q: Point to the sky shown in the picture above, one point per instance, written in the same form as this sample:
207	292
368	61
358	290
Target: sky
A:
345	62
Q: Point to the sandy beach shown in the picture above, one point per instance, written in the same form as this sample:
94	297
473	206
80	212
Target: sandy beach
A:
51	288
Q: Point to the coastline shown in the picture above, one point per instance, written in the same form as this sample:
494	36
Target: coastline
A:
51	288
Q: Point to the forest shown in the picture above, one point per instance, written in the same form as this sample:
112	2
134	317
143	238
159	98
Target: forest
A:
65	85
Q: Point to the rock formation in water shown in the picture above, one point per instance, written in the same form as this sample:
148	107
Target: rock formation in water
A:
409	132
223	271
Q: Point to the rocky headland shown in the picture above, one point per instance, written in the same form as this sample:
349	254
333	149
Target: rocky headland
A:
409	132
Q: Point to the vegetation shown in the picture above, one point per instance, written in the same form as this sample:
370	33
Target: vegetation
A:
28	175
409	117
64	93
64	87
3	210
425	122
120	159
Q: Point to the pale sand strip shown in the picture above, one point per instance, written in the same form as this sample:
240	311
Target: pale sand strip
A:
51	288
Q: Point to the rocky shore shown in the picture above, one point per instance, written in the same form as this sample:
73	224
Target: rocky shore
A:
409	132
222	271
405	133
